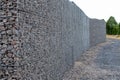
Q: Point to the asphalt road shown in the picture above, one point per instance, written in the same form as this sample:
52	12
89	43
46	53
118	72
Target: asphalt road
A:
109	57
101	62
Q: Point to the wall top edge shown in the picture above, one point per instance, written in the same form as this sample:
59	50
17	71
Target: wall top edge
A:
96	19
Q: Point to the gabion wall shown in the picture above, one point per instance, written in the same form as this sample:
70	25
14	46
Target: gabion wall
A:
97	31
41	39
10	41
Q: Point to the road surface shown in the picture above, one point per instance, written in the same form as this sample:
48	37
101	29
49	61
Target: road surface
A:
101	62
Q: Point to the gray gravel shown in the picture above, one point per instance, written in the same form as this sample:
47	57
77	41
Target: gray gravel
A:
101	62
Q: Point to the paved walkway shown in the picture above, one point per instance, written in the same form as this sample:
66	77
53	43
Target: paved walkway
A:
101	62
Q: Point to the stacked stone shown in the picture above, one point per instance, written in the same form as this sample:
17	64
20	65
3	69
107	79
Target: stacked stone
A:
54	34
9	41
97	31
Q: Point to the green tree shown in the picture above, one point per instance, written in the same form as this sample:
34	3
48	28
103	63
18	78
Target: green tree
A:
119	29
110	25
115	30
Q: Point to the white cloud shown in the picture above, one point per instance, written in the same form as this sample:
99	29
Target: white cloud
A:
101	9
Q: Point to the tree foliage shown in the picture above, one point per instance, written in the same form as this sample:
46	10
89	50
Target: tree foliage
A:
112	27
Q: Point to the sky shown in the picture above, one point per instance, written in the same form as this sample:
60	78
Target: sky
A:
100	9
